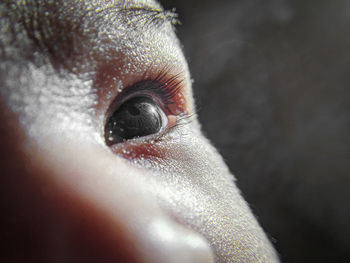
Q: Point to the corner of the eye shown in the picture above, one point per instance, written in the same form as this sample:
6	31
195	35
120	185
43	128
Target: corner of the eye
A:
172	119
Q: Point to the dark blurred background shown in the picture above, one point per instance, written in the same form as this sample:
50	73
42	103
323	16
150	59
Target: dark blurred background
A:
272	82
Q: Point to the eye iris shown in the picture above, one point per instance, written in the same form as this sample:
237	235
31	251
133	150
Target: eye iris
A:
137	117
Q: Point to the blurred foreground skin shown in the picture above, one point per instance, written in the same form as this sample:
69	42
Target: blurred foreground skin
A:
67	196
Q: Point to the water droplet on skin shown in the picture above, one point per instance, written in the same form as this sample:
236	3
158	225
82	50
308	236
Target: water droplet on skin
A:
109	95
125	151
120	86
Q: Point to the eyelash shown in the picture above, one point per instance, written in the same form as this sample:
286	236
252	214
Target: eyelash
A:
171	87
168	88
163	86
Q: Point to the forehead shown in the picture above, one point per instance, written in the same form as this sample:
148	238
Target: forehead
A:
72	31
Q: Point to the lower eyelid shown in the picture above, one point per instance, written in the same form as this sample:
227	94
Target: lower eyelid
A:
153	147
172	120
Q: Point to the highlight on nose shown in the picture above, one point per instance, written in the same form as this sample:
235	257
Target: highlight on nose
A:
167	241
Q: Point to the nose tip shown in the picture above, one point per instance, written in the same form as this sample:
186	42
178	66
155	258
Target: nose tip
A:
168	241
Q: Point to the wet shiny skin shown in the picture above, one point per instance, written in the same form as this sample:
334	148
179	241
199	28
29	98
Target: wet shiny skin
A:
169	199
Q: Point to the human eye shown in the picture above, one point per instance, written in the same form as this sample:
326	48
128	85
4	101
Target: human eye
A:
145	117
145	110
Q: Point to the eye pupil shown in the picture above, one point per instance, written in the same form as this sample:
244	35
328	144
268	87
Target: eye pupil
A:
137	117
134	110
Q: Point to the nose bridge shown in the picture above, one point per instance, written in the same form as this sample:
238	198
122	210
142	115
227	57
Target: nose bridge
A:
201	193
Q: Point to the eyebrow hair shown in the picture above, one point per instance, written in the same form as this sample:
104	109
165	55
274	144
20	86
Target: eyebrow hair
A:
150	15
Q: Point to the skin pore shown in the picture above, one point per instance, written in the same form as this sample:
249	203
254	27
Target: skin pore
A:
65	68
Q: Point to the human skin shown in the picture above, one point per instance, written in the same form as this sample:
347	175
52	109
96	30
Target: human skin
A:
70	197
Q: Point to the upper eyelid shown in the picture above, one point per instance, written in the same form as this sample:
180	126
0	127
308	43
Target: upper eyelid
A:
163	85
